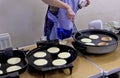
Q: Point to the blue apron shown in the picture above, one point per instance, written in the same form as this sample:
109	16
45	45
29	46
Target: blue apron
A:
57	25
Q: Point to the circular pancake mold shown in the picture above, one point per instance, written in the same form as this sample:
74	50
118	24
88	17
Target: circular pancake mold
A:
106	38
39	54
53	50
94	36
89	43
59	62
40	62
1	72
13	60
87	40
13	68
64	55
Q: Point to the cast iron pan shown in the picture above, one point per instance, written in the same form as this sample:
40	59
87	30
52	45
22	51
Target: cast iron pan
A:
100	33
50	57
10	53
95	49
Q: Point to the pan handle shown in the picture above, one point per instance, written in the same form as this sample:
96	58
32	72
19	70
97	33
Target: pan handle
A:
74	30
79	47
11	75
25	51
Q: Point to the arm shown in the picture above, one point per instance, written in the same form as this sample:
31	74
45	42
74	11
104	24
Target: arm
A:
60	4
57	3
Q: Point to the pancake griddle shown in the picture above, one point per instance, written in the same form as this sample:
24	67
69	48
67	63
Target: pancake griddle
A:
9	53
50	57
96	41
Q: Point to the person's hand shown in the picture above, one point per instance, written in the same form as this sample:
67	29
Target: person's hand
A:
70	14
83	3
88	3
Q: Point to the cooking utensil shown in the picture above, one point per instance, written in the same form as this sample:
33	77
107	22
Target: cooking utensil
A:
50	57
10	53
95	49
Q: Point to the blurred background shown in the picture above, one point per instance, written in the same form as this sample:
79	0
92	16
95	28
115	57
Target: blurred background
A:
24	19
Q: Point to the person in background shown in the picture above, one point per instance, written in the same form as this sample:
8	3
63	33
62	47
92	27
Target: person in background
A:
60	16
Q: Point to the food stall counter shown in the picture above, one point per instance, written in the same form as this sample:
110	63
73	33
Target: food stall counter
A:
82	69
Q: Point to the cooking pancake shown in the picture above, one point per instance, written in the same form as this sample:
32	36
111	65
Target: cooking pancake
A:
39	54
13	60
89	43
106	38
86	40
40	62
103	44
94	36
1	72
64	55
59	62
13	68
53	50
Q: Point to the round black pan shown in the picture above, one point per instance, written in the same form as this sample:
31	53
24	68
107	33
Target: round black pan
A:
9	53
50	57
95	49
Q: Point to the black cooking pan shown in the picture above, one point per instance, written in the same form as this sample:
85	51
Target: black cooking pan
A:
10	53
95	49
50	57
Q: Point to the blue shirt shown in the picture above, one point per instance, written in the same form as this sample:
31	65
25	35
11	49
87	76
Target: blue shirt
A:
57	25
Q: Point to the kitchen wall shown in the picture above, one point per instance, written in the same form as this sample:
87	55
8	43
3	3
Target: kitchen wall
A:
106	10
24	19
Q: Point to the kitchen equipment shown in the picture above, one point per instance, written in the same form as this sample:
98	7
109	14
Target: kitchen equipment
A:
113	26
95	24
95	49
43	47
10	53
5	41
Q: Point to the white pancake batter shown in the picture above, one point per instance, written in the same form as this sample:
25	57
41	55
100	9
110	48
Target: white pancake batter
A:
39	54
64	55
59	62
89	43
53	49
13	60
87	40
13	68
40	62
1	72
94	36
